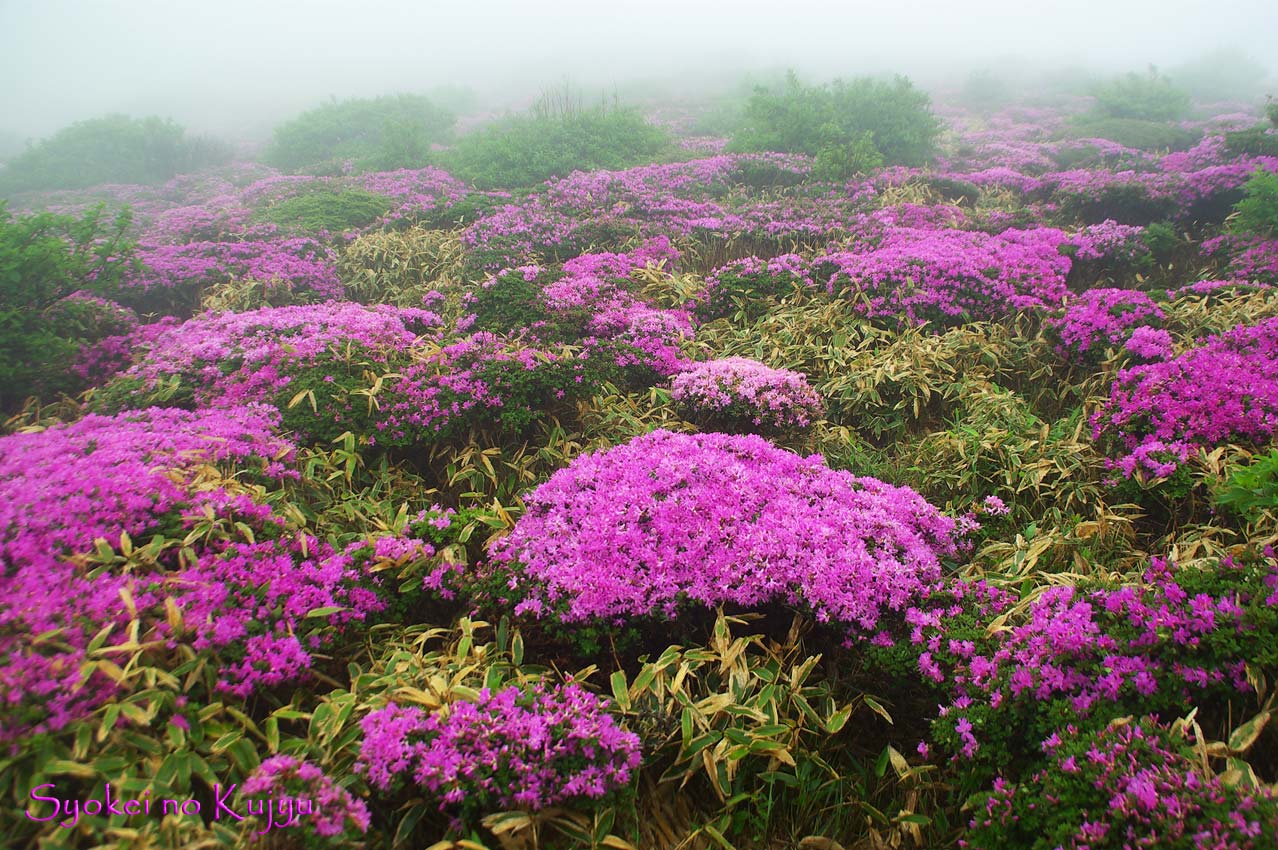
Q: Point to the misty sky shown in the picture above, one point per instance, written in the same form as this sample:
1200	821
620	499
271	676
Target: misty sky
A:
237	66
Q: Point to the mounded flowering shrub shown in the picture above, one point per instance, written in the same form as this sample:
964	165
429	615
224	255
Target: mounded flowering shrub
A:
300	265
1249	257
591	301
299	794
1086	654
250	603
65	487
526	748
1135	784
1224	389
386	374
225	359
743	396
1099	319
748	282
913	275
257	597
670	520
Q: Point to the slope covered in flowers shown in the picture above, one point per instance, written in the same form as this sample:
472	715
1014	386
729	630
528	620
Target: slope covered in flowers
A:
732	498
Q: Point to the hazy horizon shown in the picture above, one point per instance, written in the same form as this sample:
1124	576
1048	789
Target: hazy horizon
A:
237	68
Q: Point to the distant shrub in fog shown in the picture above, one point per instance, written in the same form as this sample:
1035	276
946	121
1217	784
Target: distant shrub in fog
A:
374	134
1148	97
111	149
835	121
554	139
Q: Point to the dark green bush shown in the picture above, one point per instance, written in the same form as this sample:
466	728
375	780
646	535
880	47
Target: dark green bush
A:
1257	212
1132	132
43	259
1253	489
383	133
1145	97
113	149
325	209
810	119
1255	141
840	162
554	141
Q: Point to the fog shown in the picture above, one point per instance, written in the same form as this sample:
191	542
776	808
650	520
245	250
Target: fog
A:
236	67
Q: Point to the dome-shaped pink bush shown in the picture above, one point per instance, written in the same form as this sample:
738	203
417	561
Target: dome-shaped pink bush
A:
669	520
739	395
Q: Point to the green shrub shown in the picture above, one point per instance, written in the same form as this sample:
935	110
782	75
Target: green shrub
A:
812	119
554	140
383	133
1255	141
1257	212
1252	490
1137	133
44	259
840	162
112	149
1146	97
326	209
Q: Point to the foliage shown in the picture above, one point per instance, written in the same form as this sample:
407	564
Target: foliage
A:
326	211
554	141
1252	490
45	259
1257	212
1146	97
833	121
111	149
1133	132
377	134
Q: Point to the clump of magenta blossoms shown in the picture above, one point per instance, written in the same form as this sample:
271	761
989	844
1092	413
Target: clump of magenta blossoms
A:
526	748
232	358
1099	651
669	520
251	604
300	265
751	280
298	793
947	276
1135	784
68	486
743	396
1225	389
1110	241
1101	318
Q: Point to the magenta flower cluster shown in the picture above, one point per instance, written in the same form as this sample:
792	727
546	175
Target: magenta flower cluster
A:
284	781
61	490
949	276
526	748
1135	784
299	264
668	520
1225	388
228	359
740	395
1100	319
68	488
1104	650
